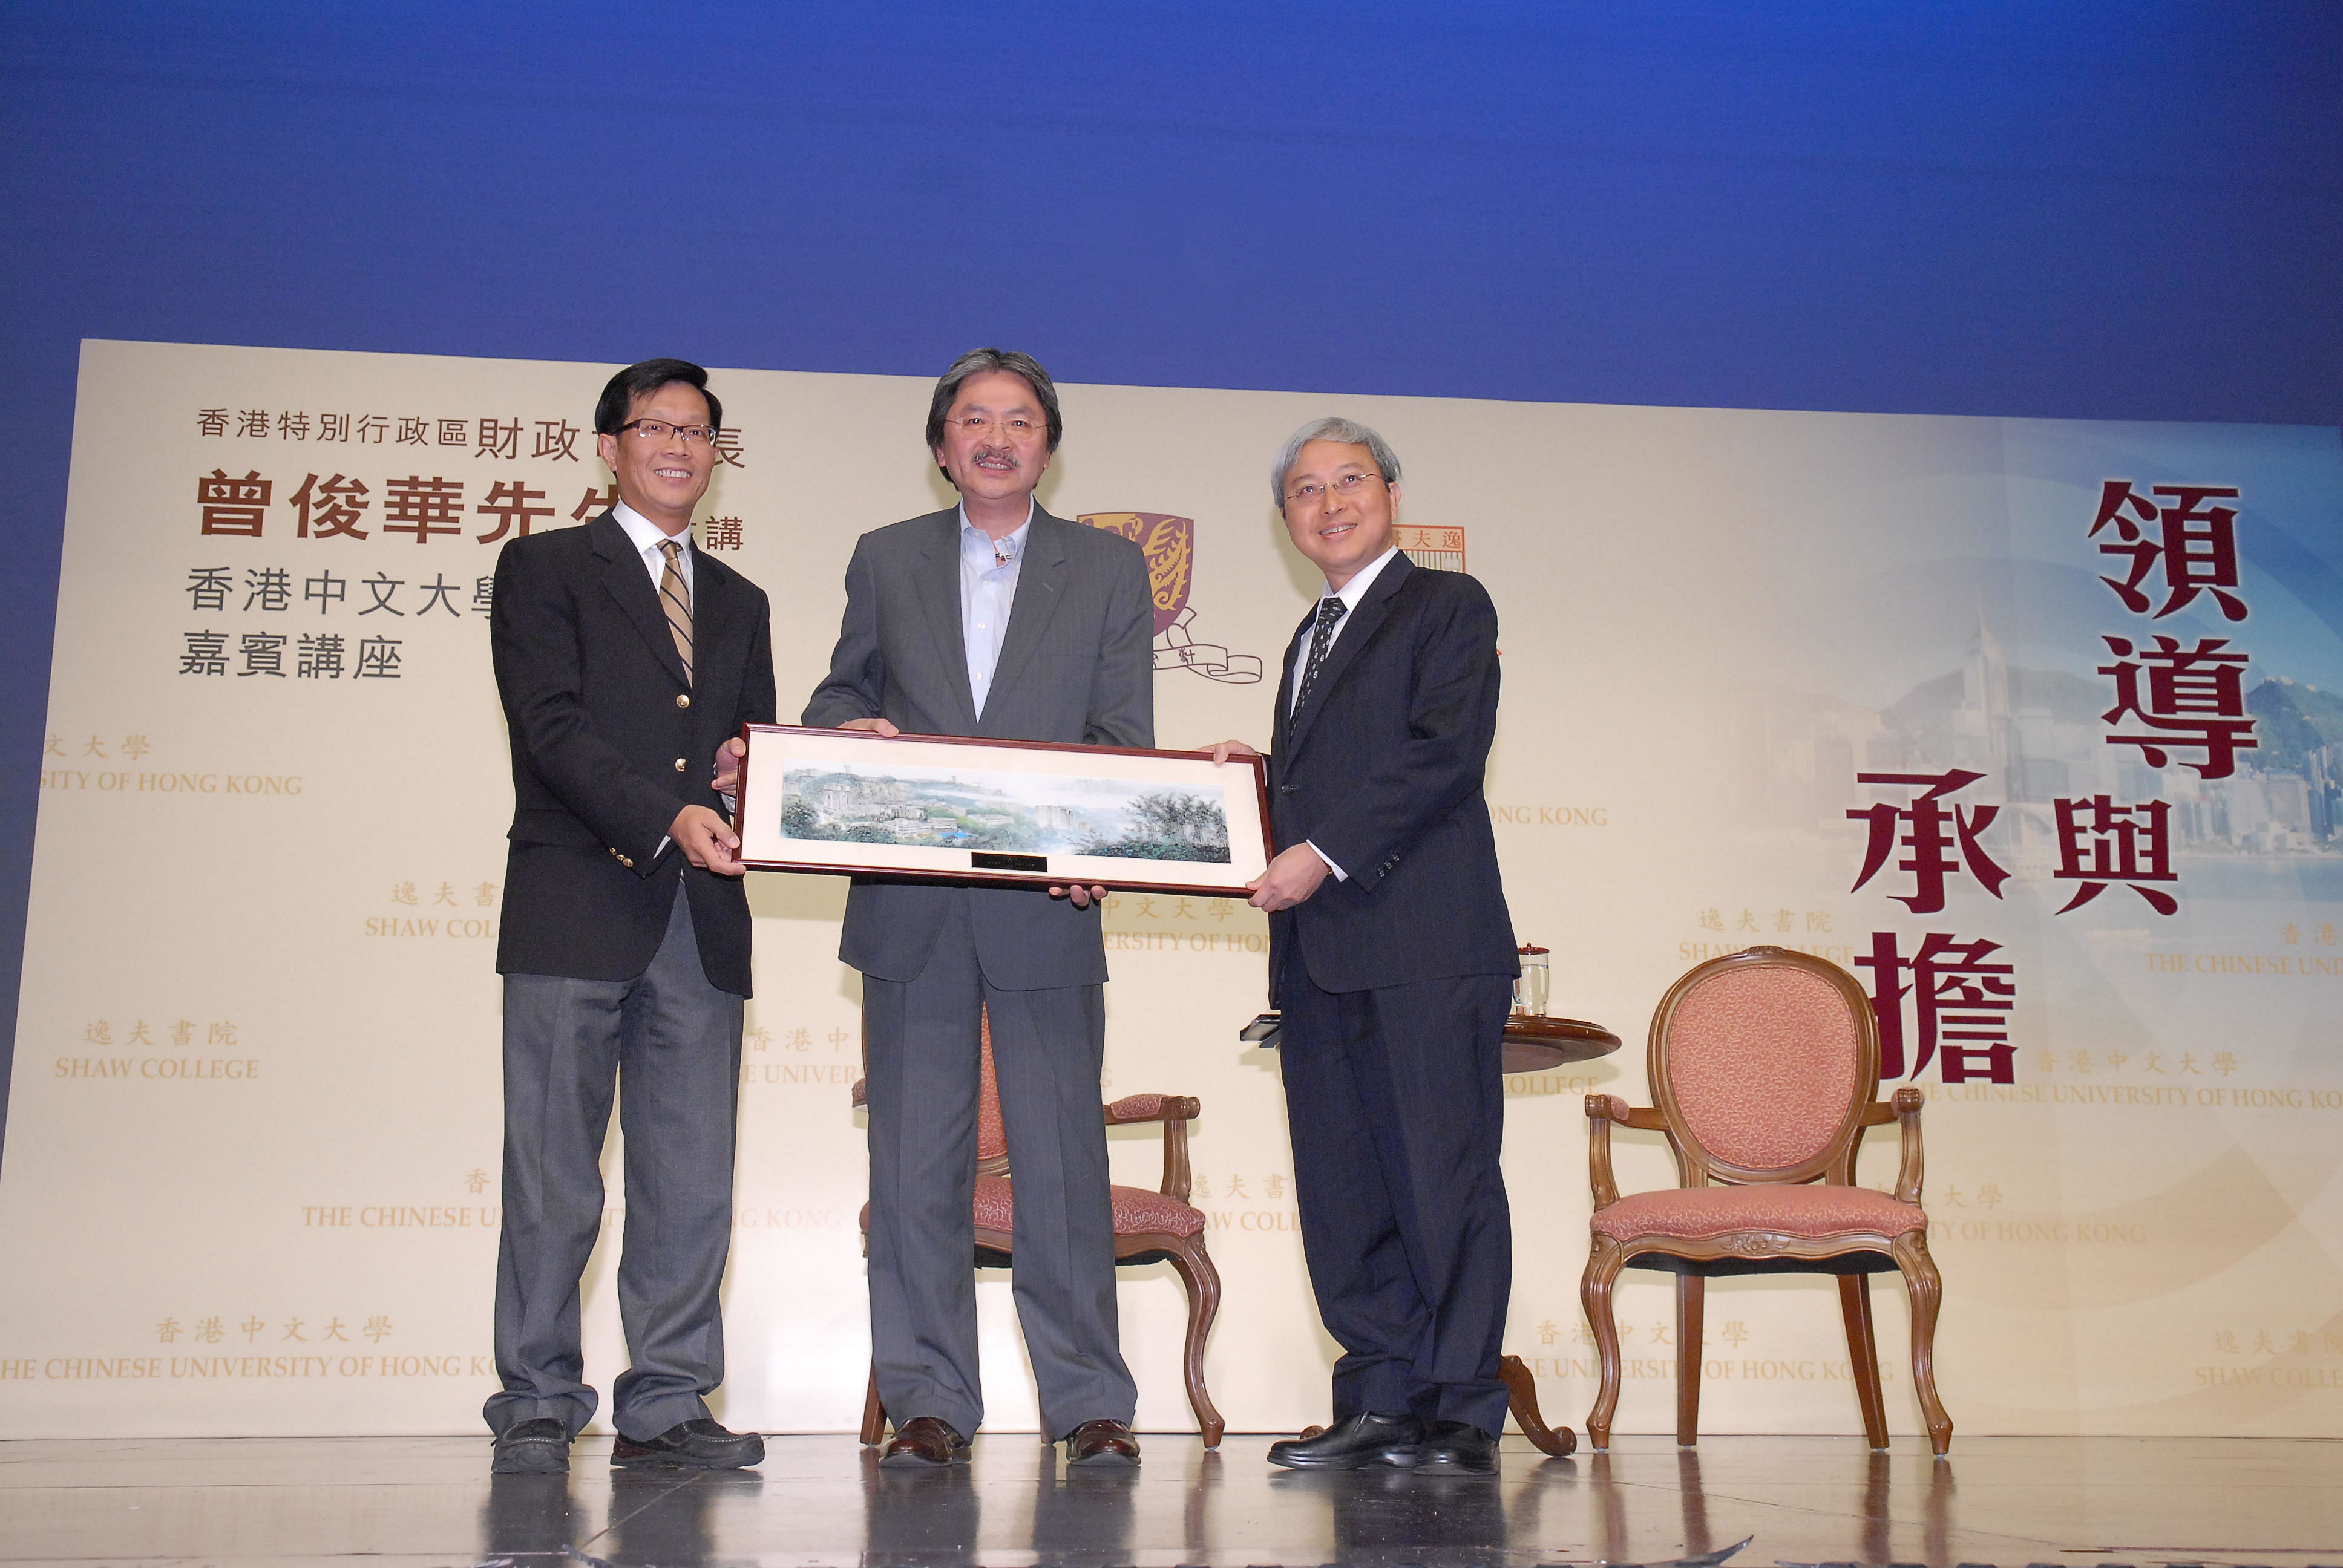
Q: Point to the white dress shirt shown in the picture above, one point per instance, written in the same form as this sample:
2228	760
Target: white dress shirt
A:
987	592
1350	593
647	536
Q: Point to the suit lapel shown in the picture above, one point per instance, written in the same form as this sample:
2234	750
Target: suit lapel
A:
1351	639
938	588
712	616
1040	583
629	581
1281	719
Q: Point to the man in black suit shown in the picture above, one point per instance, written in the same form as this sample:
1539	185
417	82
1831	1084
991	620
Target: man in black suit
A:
992	619
626	662
1392	956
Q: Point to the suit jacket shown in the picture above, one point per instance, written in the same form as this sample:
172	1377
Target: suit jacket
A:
609	742
1382	770
1074	667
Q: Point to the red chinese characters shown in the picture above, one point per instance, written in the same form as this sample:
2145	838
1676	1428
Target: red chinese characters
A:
2194	698
1960	1006
2101	842
2194	547
329	507
423	506
1935	833
233	505
509	503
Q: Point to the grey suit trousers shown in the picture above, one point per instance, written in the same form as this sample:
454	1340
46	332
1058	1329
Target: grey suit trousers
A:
924	1049
670	1041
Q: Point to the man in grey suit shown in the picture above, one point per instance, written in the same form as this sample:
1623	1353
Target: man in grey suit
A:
992	619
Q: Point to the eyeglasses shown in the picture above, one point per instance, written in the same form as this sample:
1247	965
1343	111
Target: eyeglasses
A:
659	430
1312	492
981	425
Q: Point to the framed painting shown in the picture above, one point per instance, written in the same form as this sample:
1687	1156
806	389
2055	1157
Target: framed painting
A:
956	809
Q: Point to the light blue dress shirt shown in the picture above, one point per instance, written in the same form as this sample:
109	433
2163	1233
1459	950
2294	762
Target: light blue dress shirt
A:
988	591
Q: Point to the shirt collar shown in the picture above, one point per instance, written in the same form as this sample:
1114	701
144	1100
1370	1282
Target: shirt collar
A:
1011	544
647	535
1351	592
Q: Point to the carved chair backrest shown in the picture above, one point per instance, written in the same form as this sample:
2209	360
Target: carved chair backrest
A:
1763	1062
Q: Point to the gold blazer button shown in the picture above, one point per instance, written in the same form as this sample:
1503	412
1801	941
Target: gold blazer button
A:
683	699
680	764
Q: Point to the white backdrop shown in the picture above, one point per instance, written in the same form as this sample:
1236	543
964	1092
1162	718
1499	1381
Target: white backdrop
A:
252	1156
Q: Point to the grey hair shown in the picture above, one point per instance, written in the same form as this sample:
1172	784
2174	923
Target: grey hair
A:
1350	433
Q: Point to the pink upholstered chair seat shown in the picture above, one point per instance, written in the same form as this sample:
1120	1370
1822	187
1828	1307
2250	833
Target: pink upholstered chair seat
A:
1137	1211
1140	1211
1810	1213
994	1207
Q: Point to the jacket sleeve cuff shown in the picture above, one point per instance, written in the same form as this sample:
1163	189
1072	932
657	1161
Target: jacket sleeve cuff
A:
1340	875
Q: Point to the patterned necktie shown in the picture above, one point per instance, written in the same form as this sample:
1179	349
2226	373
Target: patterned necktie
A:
675	597
1330	611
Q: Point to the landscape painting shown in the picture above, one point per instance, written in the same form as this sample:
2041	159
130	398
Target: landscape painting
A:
888	803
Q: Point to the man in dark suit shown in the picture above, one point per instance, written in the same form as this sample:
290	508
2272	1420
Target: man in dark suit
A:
992	619
1392	956
627	660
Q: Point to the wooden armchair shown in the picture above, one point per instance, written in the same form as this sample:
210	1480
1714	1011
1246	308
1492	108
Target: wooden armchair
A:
1765	1064
1159	1226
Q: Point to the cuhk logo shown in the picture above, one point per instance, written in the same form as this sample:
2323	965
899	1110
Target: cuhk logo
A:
1170	544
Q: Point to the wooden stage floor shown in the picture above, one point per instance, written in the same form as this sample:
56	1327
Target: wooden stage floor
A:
820	1501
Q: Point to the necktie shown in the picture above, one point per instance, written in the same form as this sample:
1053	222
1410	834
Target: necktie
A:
675	597
1330	611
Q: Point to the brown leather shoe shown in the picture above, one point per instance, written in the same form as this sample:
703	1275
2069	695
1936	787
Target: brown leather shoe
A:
1102	1443
925	1441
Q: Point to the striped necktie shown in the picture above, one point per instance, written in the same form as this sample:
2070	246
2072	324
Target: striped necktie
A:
1330	611
675	597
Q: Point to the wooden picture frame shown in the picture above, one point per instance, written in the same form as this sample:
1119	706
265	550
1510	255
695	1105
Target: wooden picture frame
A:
960	809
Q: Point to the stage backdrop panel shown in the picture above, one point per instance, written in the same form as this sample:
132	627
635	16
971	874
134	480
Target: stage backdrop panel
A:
2033	725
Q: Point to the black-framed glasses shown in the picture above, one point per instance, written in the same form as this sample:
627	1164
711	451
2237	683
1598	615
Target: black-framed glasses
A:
659	430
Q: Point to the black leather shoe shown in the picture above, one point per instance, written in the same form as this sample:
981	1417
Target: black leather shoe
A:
1457	1448
924	1442
538	1447
696	1444
1352	1444
1102	1443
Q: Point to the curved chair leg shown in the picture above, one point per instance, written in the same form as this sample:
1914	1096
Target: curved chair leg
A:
1521	1390
1927	1288
1690	1297
1602	1266
874	1418
1203	1282
1863	1350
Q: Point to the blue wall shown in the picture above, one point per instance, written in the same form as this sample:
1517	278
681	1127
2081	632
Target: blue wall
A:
2114	210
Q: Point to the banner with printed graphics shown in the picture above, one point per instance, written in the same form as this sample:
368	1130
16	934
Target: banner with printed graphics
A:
2032	724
